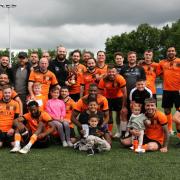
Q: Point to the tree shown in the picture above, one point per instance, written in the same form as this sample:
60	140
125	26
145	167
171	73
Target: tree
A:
145	37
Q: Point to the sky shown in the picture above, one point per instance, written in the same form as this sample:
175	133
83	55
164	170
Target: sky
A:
79	24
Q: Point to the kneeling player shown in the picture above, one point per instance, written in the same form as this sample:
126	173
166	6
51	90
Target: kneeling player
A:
9	109
39	126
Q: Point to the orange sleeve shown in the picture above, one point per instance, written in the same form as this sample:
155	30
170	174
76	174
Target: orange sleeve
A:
14	94
162	118
78	105
121	81
159	70
46	117
32	76
101	84
105	106
54	80
17	108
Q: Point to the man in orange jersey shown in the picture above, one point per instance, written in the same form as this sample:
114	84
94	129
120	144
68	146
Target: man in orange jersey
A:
156	134
169	68
86	55
114	87
44	76
176	119
150	69
9	110
101	63
39	126
4	80
82	105
75	75
91	76
70	104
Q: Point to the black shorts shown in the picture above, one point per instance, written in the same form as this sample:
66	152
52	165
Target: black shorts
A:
146	140
75	97
72	133
40	143
115	104
5	138
170	98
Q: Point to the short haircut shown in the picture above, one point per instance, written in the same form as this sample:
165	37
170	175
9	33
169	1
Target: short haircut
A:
94	116
101	52
32	103
140	79
149	51
111	66
92	99
150	100
131	52
118	54
7	86
93	85
65	87
92	58
76	51
35	52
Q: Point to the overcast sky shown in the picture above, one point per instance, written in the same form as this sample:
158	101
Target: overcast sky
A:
82	24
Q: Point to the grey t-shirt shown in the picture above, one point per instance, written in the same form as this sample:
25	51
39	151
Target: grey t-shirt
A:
137	121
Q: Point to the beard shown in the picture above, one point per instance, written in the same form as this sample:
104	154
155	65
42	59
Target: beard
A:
91	68
61	57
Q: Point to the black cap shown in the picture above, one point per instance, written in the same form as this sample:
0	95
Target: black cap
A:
22	55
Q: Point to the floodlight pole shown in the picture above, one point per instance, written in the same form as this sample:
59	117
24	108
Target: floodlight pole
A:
8	6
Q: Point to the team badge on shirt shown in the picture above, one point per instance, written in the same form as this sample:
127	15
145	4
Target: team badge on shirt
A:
56	68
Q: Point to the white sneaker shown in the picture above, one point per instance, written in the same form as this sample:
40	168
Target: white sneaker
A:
70	144
117	135
24	150
15	149
132	148
64	143
140	150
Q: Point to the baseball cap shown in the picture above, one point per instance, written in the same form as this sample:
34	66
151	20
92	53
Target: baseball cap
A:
22	55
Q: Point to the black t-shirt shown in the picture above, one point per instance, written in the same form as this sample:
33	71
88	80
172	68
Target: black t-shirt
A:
59	69
119	68
140	96
84	117
131	74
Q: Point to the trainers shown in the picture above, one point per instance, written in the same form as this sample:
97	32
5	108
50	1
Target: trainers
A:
90	152
70	144
140	150
15	149
24	150
117	135
132	148
64	144
178	144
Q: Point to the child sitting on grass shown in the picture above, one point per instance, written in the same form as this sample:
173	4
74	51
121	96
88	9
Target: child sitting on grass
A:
137	121
57	110
93	140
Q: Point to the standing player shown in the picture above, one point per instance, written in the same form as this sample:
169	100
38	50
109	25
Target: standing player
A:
169	68
43	76
119	61
91	76
114	88
150	69
75	75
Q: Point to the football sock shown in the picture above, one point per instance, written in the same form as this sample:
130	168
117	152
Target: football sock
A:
17	138
32	140
169	118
